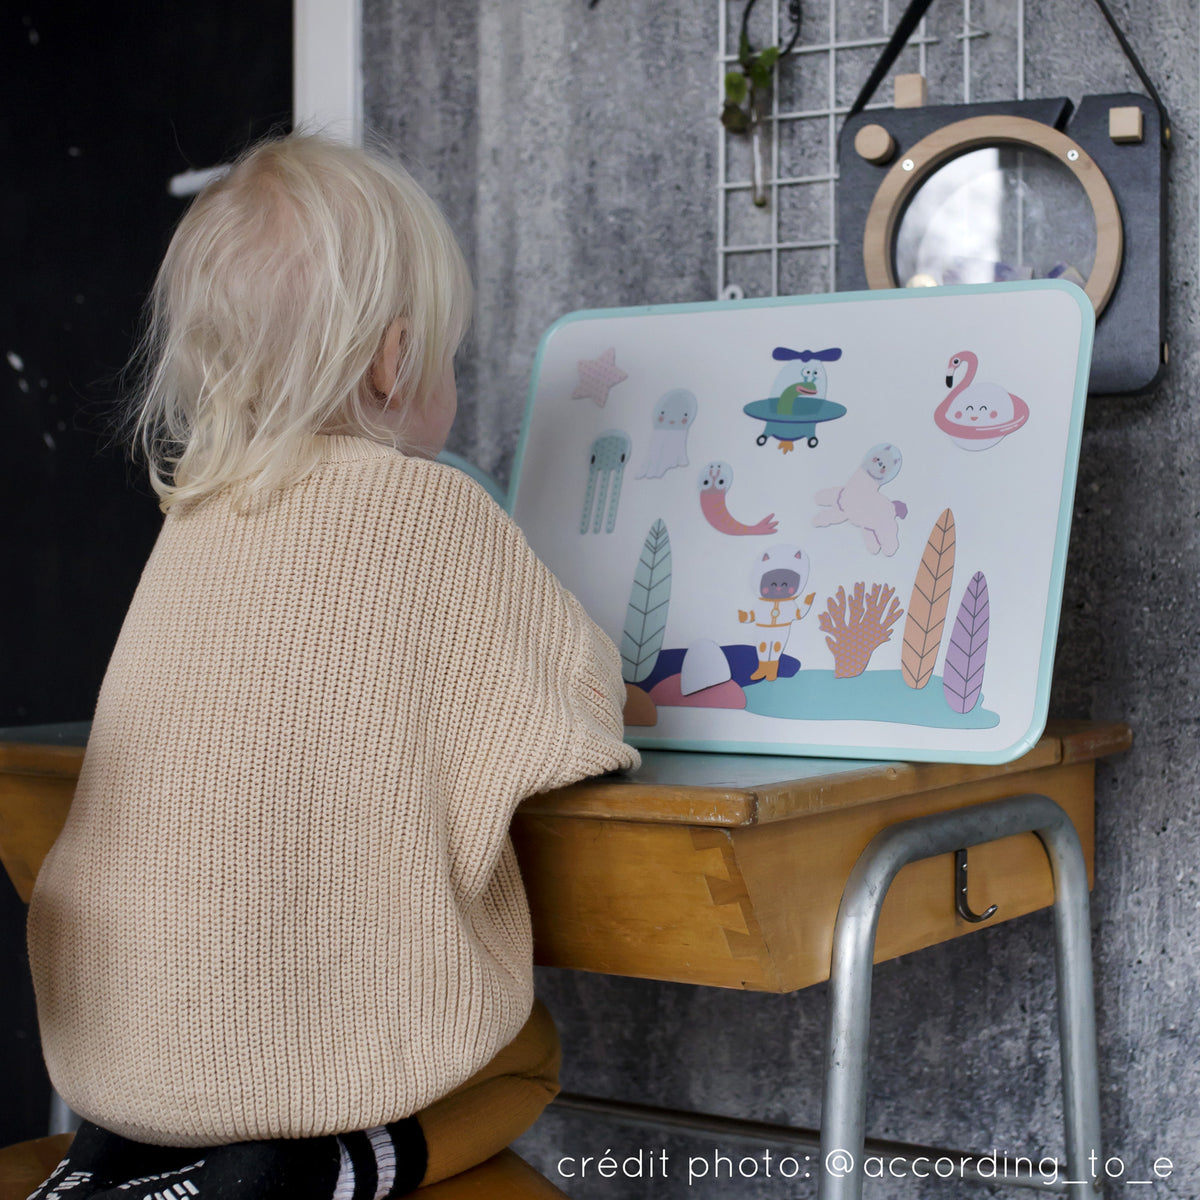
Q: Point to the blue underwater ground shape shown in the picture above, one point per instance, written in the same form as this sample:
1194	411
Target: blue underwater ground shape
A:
743	662
871	696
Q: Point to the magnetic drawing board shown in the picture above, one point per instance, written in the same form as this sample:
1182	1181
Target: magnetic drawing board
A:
830	525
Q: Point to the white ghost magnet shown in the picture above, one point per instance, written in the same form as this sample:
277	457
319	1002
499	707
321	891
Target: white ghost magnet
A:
673	417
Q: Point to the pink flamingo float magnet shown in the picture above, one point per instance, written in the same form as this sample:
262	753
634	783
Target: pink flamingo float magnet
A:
715	481
977	415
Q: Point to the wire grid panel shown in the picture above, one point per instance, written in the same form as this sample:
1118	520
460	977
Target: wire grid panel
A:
789	246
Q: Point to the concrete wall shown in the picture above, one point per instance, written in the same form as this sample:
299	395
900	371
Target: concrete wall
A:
575	149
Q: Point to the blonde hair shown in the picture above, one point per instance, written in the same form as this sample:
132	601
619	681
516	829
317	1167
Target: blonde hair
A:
271	305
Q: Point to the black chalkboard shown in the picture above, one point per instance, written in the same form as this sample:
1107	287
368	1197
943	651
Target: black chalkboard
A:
102	104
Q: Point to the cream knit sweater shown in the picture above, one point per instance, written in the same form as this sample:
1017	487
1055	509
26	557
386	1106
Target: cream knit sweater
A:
285	902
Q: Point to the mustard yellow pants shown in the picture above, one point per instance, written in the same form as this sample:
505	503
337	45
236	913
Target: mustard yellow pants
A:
478	1119
497	1104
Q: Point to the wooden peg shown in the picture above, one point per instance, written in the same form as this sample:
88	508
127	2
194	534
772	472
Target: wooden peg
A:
909	91
1125	124
875	144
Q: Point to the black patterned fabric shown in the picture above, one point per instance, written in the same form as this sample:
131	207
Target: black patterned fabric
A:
375	1164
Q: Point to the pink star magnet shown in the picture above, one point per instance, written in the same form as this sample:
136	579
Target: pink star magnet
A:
597	376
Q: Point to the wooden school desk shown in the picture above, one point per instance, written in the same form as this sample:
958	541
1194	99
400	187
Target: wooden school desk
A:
771	874
729	870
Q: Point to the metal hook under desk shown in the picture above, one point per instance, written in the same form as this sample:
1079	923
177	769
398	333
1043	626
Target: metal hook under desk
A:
960	892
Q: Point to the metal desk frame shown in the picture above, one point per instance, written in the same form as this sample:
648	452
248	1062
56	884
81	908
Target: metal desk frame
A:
843	1111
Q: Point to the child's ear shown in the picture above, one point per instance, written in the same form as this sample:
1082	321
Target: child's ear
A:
386	366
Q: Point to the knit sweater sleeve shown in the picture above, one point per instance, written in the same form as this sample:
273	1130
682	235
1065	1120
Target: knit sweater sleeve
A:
597	696
536	694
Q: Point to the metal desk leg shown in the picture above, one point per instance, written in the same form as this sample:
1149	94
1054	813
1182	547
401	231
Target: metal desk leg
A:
843	1114
62	1119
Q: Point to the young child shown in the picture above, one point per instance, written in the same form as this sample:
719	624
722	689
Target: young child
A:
281	947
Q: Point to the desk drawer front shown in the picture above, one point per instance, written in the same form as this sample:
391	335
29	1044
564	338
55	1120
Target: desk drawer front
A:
754	907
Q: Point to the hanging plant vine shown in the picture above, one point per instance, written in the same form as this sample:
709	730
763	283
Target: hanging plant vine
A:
748	93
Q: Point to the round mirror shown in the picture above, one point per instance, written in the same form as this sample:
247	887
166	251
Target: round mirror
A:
995	214
990	199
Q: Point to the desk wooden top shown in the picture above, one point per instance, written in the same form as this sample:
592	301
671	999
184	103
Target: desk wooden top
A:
732	790
694	788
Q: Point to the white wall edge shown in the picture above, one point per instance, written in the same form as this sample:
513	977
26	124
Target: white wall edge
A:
327	67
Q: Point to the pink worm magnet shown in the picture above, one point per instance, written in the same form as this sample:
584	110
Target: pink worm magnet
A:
715	481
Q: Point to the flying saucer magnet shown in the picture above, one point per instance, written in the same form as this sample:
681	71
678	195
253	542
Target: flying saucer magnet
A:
799	402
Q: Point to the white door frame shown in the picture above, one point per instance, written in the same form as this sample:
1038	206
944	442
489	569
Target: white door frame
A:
327	67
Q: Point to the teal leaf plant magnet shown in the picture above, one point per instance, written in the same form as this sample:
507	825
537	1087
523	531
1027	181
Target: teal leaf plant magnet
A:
649	600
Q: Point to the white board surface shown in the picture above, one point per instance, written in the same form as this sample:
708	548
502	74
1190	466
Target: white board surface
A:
828	525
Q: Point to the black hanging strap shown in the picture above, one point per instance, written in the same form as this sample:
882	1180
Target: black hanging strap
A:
912	18
904	30
1164	121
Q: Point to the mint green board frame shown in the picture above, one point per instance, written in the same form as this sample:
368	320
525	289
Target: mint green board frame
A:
1012	501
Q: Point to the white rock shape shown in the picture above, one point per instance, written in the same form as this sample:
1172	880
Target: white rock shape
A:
704	666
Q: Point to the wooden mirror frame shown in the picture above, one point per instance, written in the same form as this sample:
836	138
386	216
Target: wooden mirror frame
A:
917	164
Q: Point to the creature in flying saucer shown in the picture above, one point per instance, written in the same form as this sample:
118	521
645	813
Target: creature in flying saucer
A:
798	404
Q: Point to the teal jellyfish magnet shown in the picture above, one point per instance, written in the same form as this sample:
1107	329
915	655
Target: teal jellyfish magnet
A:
606	470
